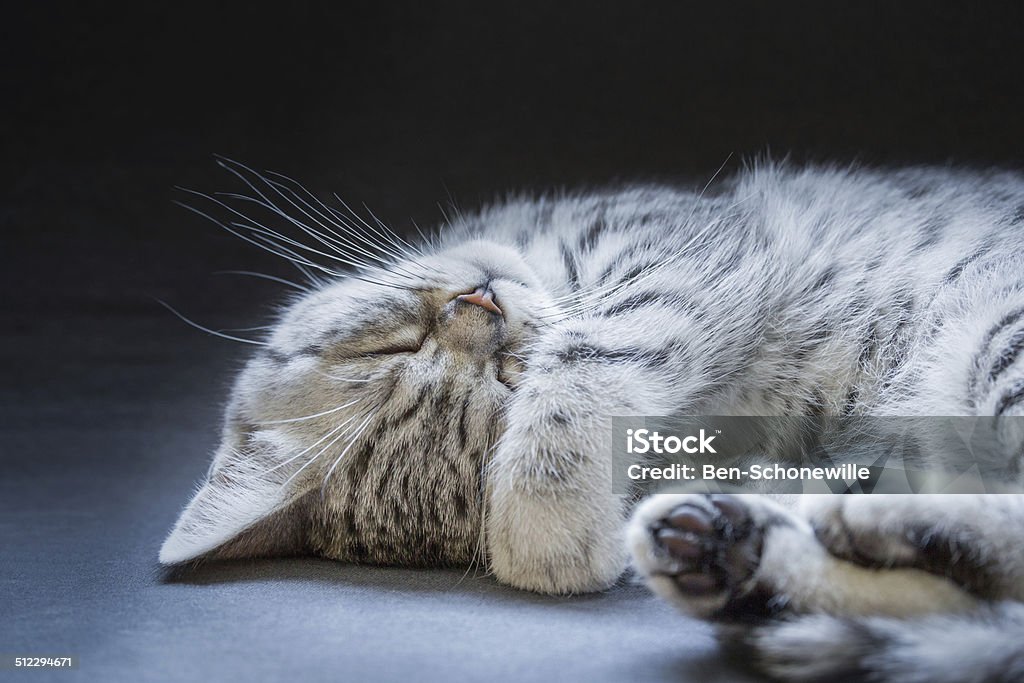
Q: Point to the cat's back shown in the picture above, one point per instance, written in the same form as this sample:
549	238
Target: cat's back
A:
784	200
783	226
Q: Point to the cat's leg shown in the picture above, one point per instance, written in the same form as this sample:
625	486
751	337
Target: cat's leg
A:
553	523
974	540
747	557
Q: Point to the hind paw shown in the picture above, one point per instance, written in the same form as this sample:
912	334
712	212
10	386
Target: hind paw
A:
703	553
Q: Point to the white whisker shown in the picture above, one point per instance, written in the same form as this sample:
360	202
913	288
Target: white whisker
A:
255	328
326	436
264	276
310	417
336	224
274	249
355	437
267	203
207	329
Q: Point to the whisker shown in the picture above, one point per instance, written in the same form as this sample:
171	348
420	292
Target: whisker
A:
257	328
307	450
270	205
274	249
289	254
351	442
313	280
228	165
331	241
368	236
310	417
336	222
285	247
388	259
264	276
387	230
271	236
259	228
207	329
420	232
404	246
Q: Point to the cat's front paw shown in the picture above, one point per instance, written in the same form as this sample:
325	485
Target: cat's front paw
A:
554	544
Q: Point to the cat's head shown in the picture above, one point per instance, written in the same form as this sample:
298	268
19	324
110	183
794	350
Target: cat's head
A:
359	430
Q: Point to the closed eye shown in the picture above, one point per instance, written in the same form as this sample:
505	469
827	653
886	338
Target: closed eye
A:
393	342
393	349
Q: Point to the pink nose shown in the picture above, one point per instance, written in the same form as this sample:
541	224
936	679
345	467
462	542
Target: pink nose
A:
482	297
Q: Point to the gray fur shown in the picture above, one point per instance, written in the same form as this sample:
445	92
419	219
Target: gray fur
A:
384	420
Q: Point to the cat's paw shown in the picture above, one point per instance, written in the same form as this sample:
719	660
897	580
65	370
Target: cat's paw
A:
554	544
956	537
745	558
703	553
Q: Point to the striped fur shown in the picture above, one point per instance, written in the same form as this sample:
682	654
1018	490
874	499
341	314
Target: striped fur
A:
384	420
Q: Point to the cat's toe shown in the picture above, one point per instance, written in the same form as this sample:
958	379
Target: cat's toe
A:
701	553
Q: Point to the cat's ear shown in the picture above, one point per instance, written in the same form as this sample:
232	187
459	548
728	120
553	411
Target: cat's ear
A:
241	510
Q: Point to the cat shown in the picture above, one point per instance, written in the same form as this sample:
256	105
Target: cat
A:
446	401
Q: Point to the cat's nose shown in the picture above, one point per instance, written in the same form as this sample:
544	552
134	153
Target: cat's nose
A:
482	297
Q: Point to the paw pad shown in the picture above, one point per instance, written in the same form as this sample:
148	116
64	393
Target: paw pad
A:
708	545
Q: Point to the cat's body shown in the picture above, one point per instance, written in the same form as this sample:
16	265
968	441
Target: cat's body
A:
454	402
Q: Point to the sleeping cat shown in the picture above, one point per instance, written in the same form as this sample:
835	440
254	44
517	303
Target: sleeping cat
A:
447	401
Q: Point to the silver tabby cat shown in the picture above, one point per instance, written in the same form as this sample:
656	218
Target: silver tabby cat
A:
447	401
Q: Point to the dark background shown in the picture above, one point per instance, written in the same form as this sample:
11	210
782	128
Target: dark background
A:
405	105
110	405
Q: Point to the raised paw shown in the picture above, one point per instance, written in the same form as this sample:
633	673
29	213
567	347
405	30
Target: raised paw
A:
707	548
702	552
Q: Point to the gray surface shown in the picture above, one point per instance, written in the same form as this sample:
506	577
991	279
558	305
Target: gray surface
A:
101	449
